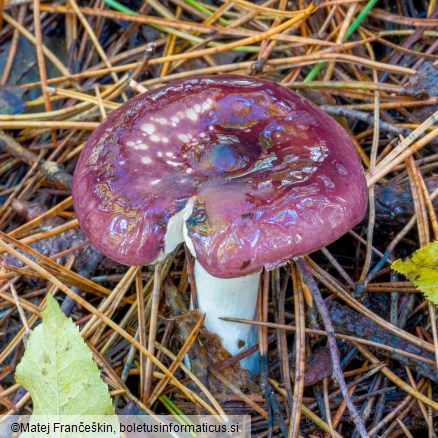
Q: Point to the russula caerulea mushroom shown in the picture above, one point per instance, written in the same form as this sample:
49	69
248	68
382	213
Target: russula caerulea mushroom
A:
246	172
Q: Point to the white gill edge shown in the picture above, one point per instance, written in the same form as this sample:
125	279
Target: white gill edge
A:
176	232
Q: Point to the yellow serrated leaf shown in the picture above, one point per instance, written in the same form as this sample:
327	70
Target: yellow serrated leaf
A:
422	270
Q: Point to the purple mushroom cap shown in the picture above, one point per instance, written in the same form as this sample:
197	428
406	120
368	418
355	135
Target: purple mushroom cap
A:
270	176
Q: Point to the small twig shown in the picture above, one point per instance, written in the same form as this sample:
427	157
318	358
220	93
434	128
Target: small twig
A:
307	412
432	316
152	329
40	58
405	429
144	63
137	87
178	360
373	344
337	370
327	406
365	117
332	285
282	336
100	102
300	356
404	150
61	124
128	364
241	395
21	312
51	169
191	275
397	380
141	330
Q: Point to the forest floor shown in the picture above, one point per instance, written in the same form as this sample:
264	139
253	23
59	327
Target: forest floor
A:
372	65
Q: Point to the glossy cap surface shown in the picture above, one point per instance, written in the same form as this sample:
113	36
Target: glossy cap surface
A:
270	175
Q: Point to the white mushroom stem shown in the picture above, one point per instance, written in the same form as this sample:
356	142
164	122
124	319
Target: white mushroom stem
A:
218	297
232	298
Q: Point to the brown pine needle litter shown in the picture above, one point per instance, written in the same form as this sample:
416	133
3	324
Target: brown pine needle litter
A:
351	346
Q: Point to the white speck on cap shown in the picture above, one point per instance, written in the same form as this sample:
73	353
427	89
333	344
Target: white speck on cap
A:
191	114
148	128
173	163
155	137
146	160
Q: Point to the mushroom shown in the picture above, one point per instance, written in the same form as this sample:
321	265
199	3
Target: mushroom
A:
247	173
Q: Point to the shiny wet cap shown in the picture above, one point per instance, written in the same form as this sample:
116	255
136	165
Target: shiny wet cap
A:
248	173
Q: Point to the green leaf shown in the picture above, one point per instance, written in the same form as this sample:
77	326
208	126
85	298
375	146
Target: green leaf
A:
422	270
58	369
